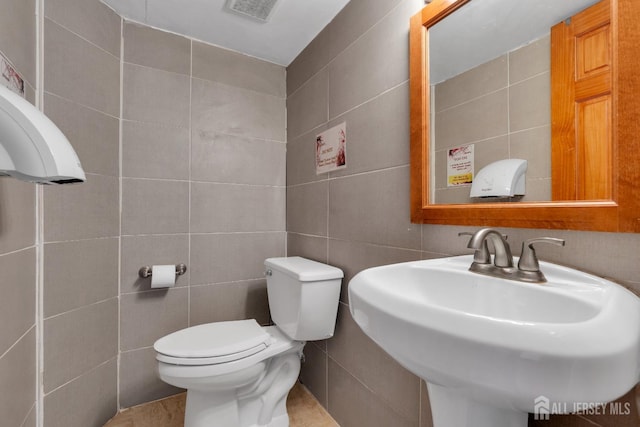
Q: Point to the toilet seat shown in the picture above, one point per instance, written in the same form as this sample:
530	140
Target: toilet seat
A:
213	343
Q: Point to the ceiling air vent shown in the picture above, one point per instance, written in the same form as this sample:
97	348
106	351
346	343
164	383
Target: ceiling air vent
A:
259	10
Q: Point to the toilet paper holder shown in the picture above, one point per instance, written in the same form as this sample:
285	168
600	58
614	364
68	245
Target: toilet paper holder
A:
147	271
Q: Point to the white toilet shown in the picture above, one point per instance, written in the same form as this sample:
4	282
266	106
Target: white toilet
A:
238	374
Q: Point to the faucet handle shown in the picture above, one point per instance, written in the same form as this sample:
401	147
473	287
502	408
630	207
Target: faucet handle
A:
482	255
528	259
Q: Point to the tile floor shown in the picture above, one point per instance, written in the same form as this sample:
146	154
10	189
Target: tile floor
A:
304	411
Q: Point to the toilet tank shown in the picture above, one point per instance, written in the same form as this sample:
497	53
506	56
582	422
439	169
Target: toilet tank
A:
303	297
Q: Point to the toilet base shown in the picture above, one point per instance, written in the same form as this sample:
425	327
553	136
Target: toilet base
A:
260	404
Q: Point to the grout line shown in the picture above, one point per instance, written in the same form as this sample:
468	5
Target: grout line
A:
103	301
39	229
120	164
79	36
355	107
347	47
95	368
189	200
95	110
334	178
20	338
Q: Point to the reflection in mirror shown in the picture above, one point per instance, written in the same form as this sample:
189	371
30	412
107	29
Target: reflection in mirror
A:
489	76
598	124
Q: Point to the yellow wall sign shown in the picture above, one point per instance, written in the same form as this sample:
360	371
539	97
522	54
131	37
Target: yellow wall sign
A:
460	166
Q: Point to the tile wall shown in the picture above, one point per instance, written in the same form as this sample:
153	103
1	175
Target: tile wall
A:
190	159
203	182
356	70
18	246
81	223
502	107
197	125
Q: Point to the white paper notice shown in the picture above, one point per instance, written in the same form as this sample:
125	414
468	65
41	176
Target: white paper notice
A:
10	78
331	149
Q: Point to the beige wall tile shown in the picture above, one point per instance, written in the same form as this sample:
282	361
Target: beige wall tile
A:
77	341
356	19
148	316
377	61
17	215
156	49
79	273
154	206
538	190
87	401
535	146
369	208
453	195
218	258
362	358
310	247
82	211
139	251
352	404
352	257
532	59
79	71
143	102
529	103
92	20
490	150
307	211
235	69
479	81
18	36
372	131
230	110
237	208
310	61
313	372
17	380
150	150
93	135
217	157
307	107
32	418
139	381
301	158
230	301
482	118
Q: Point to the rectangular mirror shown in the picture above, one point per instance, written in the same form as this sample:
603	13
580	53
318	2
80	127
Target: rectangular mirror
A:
481	83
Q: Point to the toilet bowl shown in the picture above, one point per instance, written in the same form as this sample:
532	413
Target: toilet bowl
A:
238	373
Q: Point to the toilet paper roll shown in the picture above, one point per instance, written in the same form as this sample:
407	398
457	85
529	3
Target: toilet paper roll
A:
163	276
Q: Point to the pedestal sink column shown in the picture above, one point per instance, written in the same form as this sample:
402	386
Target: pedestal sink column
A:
452	409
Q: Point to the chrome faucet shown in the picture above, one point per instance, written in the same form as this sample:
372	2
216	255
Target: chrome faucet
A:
528	269
528	265
503	257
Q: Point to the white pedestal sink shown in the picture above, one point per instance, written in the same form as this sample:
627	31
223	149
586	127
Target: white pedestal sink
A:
490	349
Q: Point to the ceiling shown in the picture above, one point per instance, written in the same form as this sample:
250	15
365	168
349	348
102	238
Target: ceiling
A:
293	24
486	29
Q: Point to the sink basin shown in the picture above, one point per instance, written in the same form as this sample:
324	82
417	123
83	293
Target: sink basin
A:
490	349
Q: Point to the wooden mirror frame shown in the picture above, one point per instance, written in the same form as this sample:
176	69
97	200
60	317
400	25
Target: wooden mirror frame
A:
620	214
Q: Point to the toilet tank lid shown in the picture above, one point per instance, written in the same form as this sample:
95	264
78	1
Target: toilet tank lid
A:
304	270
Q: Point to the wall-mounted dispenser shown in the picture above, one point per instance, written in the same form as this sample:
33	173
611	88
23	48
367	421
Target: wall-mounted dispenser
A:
32	148
504	178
